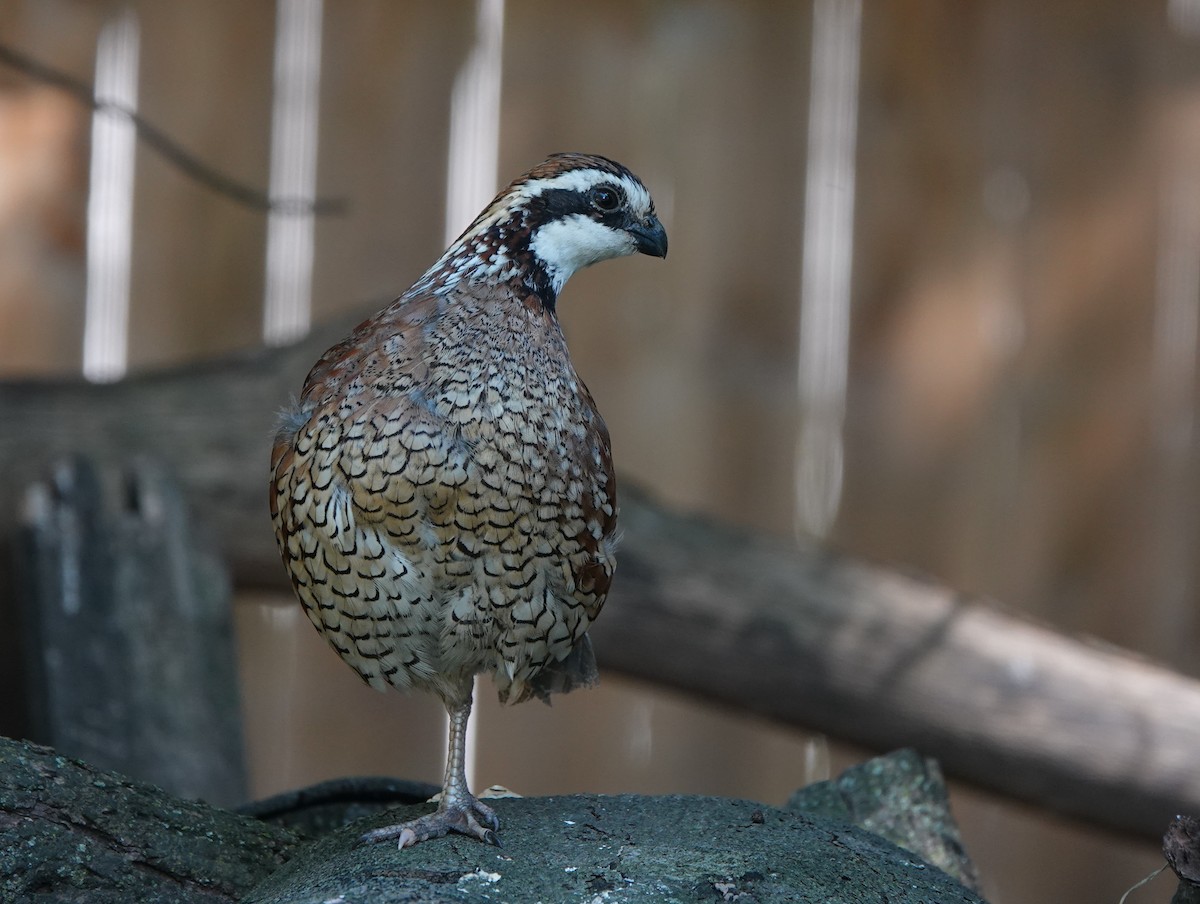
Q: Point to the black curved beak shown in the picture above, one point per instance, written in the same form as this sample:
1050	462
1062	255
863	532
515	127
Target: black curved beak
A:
649	237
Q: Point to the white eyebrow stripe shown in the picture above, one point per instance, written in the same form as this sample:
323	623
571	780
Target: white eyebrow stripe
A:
574	180
584	179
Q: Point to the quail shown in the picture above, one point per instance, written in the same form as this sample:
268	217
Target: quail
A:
442	491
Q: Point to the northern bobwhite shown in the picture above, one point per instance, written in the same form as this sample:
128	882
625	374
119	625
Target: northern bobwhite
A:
443	490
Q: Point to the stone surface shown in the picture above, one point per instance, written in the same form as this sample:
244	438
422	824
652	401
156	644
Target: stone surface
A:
72	833
902	797
617	849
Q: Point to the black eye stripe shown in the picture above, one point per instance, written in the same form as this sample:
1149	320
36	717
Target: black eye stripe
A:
556	203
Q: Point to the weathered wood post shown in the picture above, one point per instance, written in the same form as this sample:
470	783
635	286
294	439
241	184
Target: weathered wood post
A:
126	624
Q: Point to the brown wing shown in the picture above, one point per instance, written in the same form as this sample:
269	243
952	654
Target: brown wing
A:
352	415
594	576
589	530
388	349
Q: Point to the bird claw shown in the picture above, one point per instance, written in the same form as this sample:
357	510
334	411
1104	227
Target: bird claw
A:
471	818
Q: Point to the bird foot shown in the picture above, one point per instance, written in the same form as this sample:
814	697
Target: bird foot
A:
470	818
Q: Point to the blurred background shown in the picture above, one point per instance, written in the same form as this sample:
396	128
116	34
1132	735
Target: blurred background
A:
932	296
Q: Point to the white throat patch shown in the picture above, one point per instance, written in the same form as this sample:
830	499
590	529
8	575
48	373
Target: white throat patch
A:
572	243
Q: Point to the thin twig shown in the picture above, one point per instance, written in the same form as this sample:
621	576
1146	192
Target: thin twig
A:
1137	885
168	148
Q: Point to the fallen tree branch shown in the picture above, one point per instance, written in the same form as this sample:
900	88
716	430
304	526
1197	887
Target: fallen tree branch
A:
883	659
797	634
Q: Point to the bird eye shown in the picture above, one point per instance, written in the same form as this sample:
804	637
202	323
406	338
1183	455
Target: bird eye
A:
605	198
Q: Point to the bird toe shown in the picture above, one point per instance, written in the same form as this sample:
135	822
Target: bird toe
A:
472	818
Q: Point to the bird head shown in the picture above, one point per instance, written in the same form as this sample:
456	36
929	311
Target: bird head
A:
567	212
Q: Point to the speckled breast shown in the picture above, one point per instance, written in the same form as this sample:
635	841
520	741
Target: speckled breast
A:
458	516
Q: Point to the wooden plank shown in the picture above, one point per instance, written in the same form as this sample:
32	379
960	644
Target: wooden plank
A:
793	632
128	630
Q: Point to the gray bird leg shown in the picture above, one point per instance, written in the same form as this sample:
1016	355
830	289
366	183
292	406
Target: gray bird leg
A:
459	811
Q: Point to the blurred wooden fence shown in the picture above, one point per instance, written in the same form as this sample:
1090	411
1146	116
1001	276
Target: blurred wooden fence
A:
1021	392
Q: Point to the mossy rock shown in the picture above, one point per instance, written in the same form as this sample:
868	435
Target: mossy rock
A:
626	848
